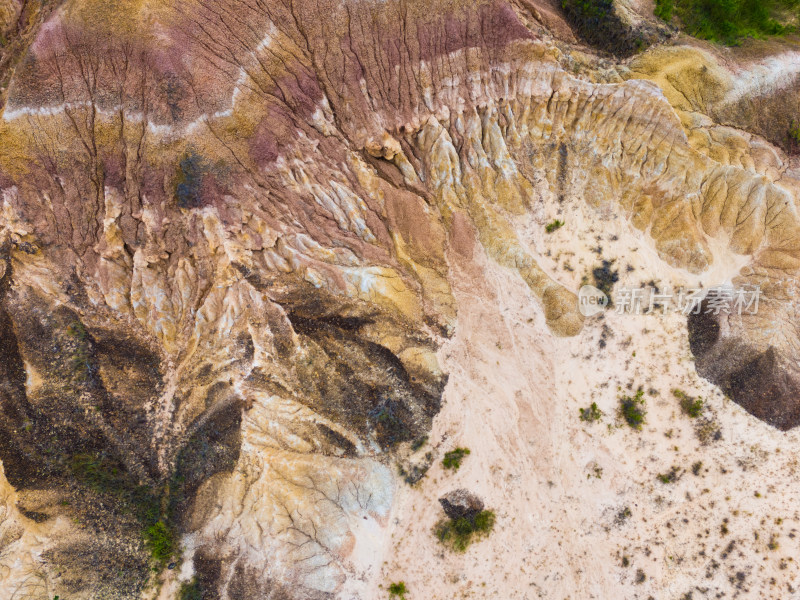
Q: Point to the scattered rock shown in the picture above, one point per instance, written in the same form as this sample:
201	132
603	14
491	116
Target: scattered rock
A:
461	503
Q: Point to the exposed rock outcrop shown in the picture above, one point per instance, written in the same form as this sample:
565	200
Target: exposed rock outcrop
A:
461	504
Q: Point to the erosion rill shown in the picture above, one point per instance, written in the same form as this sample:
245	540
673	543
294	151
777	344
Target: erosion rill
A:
254	253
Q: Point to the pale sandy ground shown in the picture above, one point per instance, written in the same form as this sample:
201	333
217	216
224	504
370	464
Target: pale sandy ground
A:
513	398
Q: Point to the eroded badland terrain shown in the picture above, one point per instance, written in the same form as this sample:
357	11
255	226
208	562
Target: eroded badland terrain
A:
265	263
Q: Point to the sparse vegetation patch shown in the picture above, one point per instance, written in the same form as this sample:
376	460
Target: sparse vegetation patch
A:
591	414
460	533
692	407
452	460
553	226
632	409
728	21
104	475
398	590
664	9
160	539
670	476
794	136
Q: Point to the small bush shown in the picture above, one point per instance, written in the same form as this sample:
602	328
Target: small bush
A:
794	131
631	409
664	9
398	589
77	330
452	460
696	467
670	476
773	542
160	541
794	135
623	515
591	414
693	407
553	226
460	533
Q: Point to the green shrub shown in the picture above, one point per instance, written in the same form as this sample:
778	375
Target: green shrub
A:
414	473
728	21
452	460
631	409
591	414
670	476
697	467
623	515
398	589
460	533
794	130
77	330
794	133
664	9
160	540
553	226
773	542
692	407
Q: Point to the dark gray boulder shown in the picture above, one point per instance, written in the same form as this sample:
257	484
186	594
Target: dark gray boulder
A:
460	504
